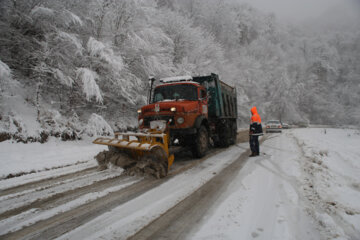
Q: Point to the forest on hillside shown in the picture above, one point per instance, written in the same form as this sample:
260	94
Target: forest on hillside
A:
76	63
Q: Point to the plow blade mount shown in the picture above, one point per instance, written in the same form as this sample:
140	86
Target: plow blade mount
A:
147	152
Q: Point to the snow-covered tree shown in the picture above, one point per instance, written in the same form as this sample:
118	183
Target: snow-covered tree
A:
5	75
93	56
89	86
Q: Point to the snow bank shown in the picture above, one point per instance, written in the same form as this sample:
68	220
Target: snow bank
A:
332	179
34	157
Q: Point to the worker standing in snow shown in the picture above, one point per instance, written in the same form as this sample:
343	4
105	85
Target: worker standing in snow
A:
254	132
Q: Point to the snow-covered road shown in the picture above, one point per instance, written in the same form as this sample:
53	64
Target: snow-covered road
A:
305	185
264	201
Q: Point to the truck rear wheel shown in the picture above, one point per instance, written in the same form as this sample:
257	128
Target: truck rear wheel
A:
201	142
233	133
224	132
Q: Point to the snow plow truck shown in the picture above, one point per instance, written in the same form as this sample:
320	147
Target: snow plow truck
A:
183	111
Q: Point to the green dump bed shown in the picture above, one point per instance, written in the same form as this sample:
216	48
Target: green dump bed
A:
222	97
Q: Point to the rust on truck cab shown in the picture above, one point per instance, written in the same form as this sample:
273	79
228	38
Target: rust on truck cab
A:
192	112
198	110
180	104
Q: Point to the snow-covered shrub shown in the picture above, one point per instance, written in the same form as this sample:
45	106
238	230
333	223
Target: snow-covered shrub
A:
51	118
54	124
98	126
90	87
5	75
4	70
13	126
74	123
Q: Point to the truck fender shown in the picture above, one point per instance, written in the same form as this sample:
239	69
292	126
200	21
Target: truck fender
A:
199	120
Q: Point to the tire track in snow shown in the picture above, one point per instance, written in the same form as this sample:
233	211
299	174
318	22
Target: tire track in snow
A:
45	182
35	198
177	221
61	223
34	215
57	224
45	175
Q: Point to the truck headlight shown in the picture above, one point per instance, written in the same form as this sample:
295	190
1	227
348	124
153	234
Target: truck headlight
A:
180	120
141	121
139	111
173	109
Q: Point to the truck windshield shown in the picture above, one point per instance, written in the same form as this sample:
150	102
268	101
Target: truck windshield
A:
175	92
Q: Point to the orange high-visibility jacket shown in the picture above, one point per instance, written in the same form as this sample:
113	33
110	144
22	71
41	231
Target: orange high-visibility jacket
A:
255	124
255	116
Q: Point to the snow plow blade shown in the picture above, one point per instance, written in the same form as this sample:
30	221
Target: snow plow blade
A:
138	153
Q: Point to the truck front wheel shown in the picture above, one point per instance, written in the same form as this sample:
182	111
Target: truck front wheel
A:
201	142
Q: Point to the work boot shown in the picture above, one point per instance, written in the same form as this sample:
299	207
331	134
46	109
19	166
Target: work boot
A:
257	154
252	154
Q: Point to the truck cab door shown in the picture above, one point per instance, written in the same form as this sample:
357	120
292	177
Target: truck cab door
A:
203	102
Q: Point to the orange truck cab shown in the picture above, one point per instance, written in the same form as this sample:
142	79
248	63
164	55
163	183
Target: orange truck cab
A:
196	109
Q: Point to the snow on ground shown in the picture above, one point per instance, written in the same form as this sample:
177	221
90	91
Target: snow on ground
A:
19	199
34	215
263	201
305	185
18	158
125	220
332	181
27	178
286	195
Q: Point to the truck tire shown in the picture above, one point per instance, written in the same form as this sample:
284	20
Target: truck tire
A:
225	135
201	144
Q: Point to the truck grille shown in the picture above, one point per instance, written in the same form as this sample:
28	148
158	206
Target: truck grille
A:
162	109
147	120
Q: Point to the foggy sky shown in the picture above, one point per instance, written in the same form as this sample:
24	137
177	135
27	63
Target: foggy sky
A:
302	10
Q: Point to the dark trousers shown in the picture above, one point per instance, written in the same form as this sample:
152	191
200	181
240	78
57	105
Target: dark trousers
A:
254	144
